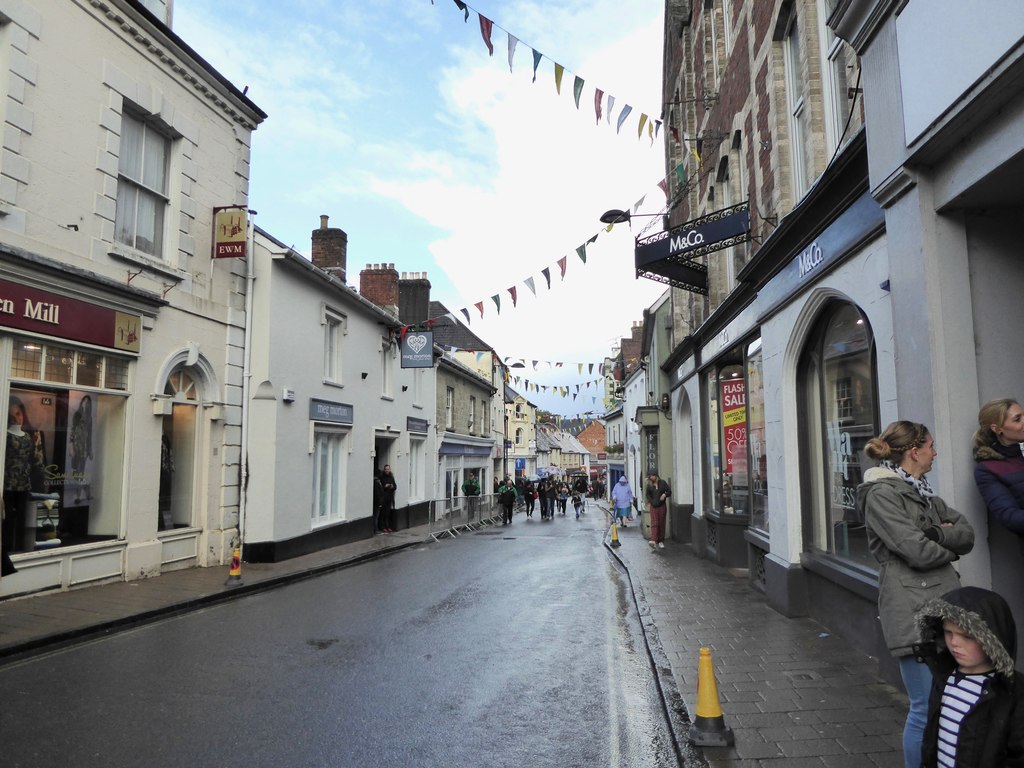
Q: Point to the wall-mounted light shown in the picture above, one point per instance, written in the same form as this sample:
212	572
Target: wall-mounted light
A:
666	403
363	375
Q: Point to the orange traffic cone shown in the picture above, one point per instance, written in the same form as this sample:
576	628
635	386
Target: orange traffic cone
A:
615	536
709	729
235	574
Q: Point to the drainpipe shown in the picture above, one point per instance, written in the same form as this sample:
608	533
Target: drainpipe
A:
250	278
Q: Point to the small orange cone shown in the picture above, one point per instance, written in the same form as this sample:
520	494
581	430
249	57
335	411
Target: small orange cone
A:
615	536
709	729
235	574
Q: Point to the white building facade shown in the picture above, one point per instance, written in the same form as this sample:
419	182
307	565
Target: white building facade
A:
120	336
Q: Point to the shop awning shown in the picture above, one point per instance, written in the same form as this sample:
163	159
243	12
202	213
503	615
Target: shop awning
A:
669	257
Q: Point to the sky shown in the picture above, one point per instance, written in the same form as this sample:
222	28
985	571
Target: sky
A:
391	118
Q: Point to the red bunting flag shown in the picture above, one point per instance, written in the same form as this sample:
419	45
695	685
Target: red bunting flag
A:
480	305
598	98
561	266
485	32
512	291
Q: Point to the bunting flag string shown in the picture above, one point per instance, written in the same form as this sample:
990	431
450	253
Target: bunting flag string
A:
581	250
487	26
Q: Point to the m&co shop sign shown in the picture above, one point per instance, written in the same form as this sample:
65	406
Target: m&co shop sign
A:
734	425
29	309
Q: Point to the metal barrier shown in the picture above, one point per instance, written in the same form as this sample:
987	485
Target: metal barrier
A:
451	517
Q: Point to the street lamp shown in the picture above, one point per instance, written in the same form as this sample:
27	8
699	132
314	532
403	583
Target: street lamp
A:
615	216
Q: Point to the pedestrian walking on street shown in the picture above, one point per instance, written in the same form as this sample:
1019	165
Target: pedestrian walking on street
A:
999	471
530	492
915	537
657	494
976	709
622	498
507	498
563	497
388	485
552	496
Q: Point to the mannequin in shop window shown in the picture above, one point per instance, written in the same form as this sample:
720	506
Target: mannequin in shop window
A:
81	445
23	473
166	478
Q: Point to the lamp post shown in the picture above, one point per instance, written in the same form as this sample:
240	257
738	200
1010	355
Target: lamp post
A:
615	216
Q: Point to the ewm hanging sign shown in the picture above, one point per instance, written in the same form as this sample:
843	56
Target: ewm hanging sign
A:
230	233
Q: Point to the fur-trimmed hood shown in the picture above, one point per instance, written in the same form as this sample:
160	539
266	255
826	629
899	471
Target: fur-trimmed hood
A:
982	614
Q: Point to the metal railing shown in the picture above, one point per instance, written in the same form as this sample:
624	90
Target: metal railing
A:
451	517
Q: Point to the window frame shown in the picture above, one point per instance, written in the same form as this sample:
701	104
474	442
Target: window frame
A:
335	329
340	436
140	188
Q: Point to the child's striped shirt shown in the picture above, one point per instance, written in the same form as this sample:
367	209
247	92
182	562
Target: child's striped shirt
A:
958	699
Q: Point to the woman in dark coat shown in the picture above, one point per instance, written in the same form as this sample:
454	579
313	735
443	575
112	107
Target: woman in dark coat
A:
999	467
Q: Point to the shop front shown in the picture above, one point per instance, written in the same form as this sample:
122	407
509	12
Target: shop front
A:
67	367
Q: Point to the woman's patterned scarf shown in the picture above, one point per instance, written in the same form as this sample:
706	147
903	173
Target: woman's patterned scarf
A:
920	485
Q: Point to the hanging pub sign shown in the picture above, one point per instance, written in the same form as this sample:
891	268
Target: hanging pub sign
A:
230	233
668	257
418	349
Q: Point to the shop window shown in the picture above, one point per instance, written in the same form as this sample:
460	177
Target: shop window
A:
417	467
839	415
141	185
736	465
64	453
329	472
756	441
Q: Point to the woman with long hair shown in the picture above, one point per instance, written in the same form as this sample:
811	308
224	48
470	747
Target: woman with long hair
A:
999	467
915	537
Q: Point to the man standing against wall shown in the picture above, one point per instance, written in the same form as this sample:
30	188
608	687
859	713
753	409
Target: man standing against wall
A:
657	494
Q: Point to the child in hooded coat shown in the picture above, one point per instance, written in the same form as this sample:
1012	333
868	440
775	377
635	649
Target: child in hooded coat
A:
976	710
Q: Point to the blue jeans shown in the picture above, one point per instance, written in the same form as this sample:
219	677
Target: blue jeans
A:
917	679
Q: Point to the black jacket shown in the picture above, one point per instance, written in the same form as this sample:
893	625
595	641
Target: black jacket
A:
992	733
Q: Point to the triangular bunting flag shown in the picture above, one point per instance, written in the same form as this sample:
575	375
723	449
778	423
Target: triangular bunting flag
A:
462	7
512	43
497	302
478	356
640	128
536	62
581	251
590	368
622	117
512	292
577	89
611	105
480	306
530	285
486	25
580	366
559	70
598	98
561	266
466	313
547	276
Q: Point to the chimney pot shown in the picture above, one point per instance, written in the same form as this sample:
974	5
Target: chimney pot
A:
323	220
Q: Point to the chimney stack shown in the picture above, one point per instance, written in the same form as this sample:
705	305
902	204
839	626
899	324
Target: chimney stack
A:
379	284
413	298
330	249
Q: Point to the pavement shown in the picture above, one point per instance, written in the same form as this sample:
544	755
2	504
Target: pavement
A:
792	694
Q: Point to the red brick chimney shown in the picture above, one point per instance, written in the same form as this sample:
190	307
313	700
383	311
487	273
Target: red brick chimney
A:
330	249
379	284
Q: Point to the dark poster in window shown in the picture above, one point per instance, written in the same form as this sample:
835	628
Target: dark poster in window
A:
652	451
